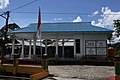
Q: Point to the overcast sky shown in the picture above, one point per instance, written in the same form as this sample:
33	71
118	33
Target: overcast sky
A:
98	12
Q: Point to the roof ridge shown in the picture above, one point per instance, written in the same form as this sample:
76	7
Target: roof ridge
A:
59	22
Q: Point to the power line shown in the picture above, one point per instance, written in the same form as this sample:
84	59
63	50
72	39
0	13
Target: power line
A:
63	13
12	19
19	7
16	9
24	5
25	12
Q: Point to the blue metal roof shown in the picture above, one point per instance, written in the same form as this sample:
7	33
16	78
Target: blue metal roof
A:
63	27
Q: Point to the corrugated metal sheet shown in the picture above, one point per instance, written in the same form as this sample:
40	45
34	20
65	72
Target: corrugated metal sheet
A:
63	27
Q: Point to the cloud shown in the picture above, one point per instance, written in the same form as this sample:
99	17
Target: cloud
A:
78	19
4	3
107	18
95	13
57	19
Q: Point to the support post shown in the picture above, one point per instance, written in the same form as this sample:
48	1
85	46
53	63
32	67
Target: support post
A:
15	63
22	54
74	47
45	62
13	45
34	48
30	49
62	48
46	46
56	55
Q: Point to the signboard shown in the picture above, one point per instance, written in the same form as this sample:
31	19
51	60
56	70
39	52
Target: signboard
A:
101	43
90	43
101	51
90	51
96	47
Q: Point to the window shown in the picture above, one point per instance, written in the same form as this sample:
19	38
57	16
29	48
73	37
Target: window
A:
77	45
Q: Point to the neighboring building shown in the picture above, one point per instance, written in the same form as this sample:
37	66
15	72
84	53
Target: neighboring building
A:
65	40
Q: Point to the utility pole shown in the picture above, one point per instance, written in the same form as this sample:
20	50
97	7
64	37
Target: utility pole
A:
6	29
6	17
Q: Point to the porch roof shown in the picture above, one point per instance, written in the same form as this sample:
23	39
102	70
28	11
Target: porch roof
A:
62	27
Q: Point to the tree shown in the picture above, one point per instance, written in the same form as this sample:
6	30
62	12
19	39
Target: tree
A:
117	27
117	33
109	37
12	26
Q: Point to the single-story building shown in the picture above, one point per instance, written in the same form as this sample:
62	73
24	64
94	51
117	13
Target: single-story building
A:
63	40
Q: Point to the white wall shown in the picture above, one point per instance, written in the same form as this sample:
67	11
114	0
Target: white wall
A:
82	36
89	36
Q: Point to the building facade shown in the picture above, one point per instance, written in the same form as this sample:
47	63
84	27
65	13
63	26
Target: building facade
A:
63	40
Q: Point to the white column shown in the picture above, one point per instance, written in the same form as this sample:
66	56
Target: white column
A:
46	46
22	54
62	48
74	47
56	55
13	45
41	48
34	47
30	48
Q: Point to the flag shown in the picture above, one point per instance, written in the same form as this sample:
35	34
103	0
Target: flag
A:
39	23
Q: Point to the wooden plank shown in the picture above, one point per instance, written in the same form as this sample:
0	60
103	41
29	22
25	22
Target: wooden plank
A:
39	75
25	69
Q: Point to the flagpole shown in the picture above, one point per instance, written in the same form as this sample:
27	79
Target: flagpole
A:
39	31
41	46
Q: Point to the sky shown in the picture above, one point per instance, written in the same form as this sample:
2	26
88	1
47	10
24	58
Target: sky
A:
98	12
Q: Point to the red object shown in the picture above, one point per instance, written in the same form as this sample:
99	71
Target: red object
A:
112	78
39	23
111	52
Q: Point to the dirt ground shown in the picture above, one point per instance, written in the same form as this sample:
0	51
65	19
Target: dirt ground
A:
80	72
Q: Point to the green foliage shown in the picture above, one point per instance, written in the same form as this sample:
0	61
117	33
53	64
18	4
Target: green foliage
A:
117	48
2	71
1	45
117	27
12	26
117	52
109	37
117	30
